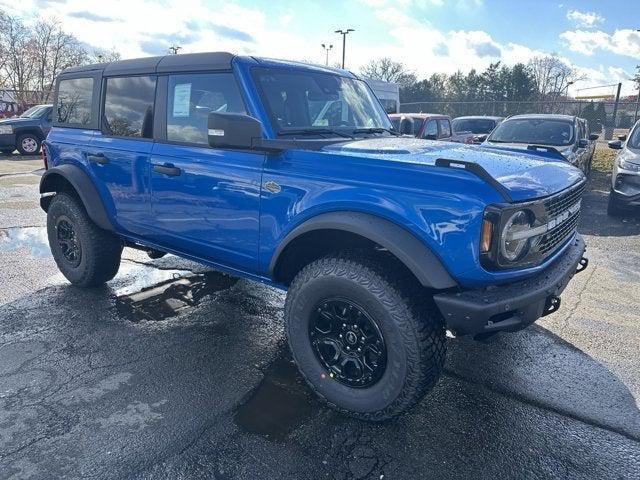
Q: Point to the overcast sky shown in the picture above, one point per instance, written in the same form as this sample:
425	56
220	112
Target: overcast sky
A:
427	35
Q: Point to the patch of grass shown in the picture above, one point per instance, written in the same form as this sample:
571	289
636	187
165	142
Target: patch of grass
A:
603	157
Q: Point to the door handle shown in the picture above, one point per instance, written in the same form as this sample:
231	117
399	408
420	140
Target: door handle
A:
99	159
167	169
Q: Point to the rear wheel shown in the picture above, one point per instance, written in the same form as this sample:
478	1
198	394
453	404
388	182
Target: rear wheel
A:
28	144
364	339
85	254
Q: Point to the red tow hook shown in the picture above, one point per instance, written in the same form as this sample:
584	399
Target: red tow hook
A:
584	261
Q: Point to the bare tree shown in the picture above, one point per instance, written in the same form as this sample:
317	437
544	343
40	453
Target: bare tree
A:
101	55
32	56
552	76
389	70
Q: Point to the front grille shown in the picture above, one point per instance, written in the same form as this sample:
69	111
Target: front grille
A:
555	237
559	203
555	206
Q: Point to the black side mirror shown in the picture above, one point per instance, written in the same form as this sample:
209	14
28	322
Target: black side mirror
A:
615	144
234	130
583	143
480	138
622	138
593	137
406	127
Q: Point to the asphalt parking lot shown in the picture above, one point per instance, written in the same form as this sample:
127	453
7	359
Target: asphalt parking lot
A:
172	371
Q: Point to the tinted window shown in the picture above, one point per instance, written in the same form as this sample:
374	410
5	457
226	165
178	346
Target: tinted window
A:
445	128
74	101
536	131
473	125
192	97
128	106
417	125
430	130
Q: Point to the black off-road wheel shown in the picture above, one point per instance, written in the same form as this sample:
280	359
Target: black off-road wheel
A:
85	254
28	144
367	339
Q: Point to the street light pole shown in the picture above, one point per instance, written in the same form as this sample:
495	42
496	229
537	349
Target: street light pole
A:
326	62
174	49
344	34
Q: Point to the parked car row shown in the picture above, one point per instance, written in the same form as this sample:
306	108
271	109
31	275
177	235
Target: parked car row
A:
563	135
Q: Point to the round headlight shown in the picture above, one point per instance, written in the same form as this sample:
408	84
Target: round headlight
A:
513	244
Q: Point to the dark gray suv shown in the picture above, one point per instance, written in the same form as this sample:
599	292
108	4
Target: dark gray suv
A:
26	132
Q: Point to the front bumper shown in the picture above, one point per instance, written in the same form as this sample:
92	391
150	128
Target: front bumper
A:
626	189
512	306
7	140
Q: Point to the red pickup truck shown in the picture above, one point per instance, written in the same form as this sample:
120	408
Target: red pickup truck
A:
430	126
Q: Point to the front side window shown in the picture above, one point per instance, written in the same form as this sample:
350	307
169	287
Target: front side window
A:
128	106
534	131
430	130
75	97
445	128
193	97
634	138
306	100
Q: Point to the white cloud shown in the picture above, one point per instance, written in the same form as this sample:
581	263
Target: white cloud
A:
622	42
584	19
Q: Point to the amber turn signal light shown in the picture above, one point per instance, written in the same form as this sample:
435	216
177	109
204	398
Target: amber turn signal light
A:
485	238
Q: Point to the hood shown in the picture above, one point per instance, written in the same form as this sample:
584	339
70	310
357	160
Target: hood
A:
18	121
565	151
524	175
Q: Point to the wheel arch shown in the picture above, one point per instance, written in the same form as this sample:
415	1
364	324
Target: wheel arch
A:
30	129
72	178
360	227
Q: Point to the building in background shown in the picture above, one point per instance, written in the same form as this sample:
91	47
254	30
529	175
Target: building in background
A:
388	93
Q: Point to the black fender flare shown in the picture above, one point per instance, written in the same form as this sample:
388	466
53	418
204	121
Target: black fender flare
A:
412	252
84	187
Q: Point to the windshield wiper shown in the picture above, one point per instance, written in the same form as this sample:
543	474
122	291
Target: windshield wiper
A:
315	131
376	130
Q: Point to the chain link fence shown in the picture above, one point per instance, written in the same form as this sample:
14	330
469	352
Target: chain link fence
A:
599	113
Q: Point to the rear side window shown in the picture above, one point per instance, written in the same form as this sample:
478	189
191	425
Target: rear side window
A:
75	97
191	98
445	128
128	106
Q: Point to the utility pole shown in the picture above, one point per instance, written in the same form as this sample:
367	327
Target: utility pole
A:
173	49
615	107
326	62
344	34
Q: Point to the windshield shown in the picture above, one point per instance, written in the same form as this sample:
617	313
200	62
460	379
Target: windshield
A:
537	131
473	125
311	101
634	138
34	112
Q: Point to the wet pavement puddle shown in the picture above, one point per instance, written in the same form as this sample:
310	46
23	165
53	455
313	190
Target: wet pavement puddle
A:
280	404
171	297
33	238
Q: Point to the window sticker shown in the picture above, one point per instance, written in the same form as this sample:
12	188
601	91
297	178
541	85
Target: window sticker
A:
181	99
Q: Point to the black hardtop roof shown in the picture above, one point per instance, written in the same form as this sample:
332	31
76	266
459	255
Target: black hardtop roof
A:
167	63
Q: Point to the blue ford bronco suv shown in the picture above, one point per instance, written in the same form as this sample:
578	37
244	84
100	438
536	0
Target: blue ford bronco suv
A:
292	175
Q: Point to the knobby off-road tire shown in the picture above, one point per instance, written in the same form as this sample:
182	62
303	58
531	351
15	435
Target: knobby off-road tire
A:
97	256
412	328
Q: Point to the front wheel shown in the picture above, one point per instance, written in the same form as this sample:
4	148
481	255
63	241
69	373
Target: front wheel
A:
28	144
366	341
85	254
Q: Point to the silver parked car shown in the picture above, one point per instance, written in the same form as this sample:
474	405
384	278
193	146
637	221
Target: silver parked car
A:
625	180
